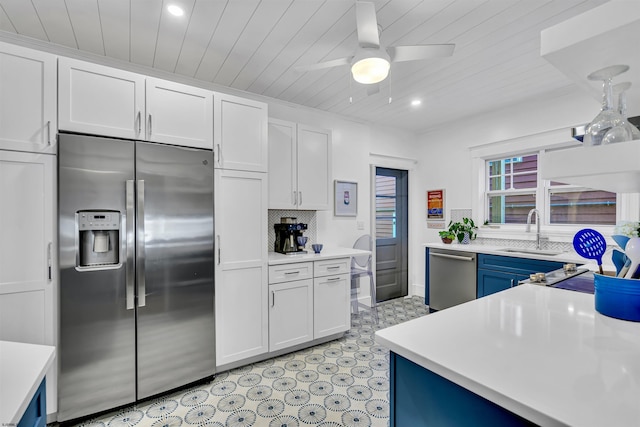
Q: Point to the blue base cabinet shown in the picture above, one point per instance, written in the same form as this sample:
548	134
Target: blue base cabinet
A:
420	397
497	273
36	413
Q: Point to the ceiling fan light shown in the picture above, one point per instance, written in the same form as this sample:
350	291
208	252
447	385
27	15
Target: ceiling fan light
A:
370	70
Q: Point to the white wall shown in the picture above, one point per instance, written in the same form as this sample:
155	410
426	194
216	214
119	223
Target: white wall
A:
445	160
353	141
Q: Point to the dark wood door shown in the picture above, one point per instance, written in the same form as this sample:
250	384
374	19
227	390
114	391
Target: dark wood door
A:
391	233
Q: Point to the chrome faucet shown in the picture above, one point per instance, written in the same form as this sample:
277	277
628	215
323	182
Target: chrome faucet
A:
537	213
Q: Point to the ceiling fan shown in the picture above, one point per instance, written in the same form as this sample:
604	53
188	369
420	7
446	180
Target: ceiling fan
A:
371	62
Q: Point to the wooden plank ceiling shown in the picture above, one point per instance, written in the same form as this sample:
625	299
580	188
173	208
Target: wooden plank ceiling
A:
254	45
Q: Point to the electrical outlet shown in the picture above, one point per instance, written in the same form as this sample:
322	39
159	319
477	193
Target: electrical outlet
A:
360	225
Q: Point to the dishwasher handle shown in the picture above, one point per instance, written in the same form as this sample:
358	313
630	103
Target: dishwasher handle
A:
457	257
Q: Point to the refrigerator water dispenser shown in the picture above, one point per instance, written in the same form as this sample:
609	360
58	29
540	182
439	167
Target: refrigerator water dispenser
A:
99	238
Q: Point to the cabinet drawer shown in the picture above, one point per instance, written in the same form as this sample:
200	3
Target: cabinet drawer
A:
289	272
332	266
516	265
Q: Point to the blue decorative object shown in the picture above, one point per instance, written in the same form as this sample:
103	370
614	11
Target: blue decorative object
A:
317	247
618	258
620	240
617	297
590	244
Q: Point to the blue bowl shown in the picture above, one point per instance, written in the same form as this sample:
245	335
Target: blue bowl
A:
617	297
317	247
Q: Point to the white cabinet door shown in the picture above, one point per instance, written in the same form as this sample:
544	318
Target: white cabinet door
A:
314	168
28	279
100	100
179	114
240	133
331	313
290	313
283	191
28	90
241	265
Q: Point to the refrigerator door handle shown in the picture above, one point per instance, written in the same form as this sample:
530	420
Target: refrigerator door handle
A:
129	272
140	253
218	239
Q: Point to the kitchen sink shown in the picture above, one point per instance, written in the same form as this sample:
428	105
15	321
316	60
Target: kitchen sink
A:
530	251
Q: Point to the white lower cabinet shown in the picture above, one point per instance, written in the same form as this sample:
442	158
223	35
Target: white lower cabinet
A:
331	297
331	313
290	313
308	301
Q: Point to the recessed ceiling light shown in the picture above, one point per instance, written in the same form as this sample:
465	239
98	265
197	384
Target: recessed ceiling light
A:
415	102
175	10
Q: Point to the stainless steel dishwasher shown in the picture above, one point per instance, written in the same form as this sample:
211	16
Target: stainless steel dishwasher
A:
452	278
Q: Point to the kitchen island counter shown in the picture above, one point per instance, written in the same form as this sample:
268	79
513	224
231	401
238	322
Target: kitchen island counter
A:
544	354
276	258
22	369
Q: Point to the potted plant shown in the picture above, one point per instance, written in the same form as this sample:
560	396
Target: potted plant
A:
447	236
464	231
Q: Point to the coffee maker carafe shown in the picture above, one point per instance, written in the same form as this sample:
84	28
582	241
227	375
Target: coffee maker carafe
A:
287	238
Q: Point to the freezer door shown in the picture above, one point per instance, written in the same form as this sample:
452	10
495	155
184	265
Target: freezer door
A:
174	267
96	353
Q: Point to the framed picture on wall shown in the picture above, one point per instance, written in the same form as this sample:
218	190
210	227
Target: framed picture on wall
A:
345	198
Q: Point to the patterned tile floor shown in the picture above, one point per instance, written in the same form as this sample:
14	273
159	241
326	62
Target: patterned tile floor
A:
340	383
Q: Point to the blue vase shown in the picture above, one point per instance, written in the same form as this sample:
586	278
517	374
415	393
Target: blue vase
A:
466	239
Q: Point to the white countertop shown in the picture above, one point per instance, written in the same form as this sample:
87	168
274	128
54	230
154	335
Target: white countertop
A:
22	368
542	353
570	256
276	258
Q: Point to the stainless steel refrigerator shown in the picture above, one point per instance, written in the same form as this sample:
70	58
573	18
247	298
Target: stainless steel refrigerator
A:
136	271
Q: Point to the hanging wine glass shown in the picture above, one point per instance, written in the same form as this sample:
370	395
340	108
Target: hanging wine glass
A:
608	117
622	131
621	90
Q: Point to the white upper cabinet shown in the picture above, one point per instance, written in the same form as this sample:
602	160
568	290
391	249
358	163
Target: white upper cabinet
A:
179	114
106	101
240	127
100	100
27	99
314	168
282	165
299	166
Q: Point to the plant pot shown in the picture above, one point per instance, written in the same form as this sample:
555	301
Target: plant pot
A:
446	240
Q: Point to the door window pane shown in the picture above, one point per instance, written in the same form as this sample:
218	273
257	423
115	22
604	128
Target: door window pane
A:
385	207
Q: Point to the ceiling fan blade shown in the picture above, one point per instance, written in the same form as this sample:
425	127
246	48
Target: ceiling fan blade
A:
323	65
417	52
367	24
373	89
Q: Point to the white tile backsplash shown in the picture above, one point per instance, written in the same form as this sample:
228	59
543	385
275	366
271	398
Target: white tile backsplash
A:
306	217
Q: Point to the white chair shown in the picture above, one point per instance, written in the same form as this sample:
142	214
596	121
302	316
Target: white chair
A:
361	265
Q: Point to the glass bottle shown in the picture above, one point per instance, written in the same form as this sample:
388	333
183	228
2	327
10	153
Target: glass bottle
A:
608	117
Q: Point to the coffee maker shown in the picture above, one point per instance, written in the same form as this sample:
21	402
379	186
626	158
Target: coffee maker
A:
287	233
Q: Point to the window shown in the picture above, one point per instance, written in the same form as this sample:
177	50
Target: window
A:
386	212
514	188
